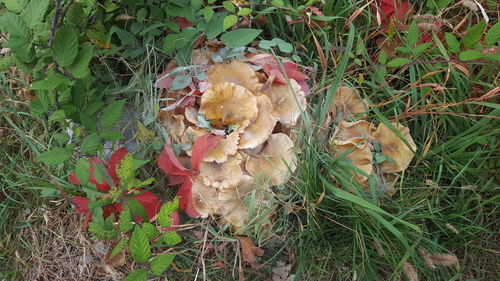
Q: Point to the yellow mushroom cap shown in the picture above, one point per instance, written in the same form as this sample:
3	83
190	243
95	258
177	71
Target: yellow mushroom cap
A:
205	199
275	162
282	97
236	72
221	175
228	104
226	146
354	132
261	128
360	157
394	147
347	102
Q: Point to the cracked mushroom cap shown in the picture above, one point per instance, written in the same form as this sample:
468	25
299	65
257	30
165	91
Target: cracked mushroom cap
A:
347	102
228	104
236	72
173	124
394	147
205	199
360	157
221	175
275	162
352	132
230	198
227	146
261	128
282	97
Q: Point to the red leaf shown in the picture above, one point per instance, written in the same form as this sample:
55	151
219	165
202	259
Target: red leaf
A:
182	22
166	82
393	9
150	203
82	204
104	186
168	162
186	200
118	156
73	179
203	145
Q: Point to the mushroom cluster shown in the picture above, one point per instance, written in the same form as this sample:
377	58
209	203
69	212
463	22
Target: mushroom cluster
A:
252	116
355	139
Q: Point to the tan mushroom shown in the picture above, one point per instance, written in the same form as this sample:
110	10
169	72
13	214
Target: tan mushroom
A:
275	162
261	128
237	217
394	147
227	146
205	199
191	114
221	175
347	103
173	124
230	198
389	181
191	134
227	104
352	130
283	99
235	72
360	157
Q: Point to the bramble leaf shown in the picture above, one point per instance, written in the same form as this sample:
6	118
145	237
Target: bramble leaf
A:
140	249
138	275
112	113
65	47
161	263
240	37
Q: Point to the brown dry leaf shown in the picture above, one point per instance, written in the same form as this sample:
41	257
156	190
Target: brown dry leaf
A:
282	272
117	260
433	260
410	272
249	251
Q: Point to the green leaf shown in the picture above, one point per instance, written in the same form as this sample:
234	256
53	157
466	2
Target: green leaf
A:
65	47
34	12
111	135
137	209
52	81
80	68
229	21
126	220
452	42
140	249
18	30
474	35
55	156
382	57
138	275
228	6
413	34
492	35
6	62
180	82
82	171
57	115
419	49
208	13
171	238
470	55
240	37
90	144
244	11
15	6
169	43
160	263
267	44
166	210
284	46
112	113
150	230
278	3
397	62
118	248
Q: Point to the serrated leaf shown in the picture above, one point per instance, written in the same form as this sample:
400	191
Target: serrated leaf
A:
126	220
470	55
82	171
160	263
229	21
413	34
138	275
6	62
65	46
111	135
80	68
55	156
34	12
240	37
208	13
244	11
171	238
57	115
137	209
169	43
61	138
150	230
15	6
474	35
166	210
112	113
452	42
419	49
118	248
397	62
180	82
493	35
140	249
228	6
90	144
19	33
52	81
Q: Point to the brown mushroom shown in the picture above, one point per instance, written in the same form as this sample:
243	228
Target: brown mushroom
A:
236	72
283	99
261	128
360	157
394	147
352	132
227	146
173	124
347	103
221	175
205	199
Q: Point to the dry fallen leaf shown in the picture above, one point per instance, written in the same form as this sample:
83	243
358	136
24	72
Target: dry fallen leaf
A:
282	272
249	251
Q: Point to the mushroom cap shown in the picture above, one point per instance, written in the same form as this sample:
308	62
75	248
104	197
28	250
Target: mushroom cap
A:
261	128
221	175
360	157
282	97
226	146
205	199
191	114
389	181
228	104
230	198
347	102
236	72
237	217
275	162
173	124
352	132
191	134
394	147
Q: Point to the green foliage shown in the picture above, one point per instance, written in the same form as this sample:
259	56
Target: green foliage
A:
150	230
35	12
56	156
474	34
65	46
240	37
398	62
113	113
82	171
90	144
140	249
171	238
118	248
493	35
452	42
15	6
166	210
160	263
138	275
